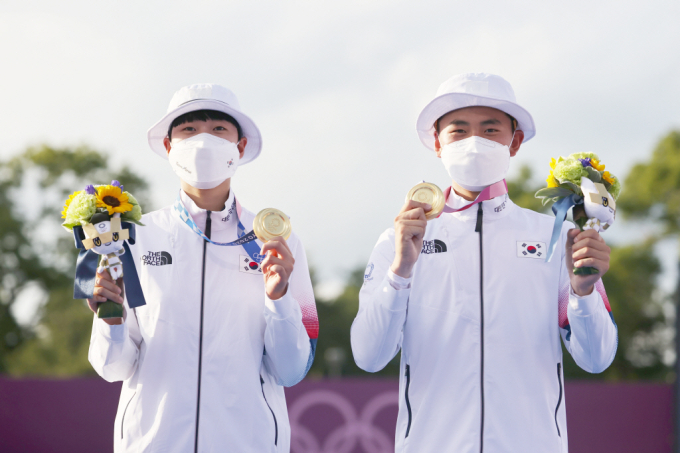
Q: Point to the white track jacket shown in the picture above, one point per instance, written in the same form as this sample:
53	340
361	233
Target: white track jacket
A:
479	325
204	362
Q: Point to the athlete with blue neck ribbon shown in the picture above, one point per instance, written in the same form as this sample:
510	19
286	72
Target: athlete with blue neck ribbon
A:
229	320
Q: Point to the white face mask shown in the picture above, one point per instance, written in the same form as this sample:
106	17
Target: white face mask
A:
476	162
204	161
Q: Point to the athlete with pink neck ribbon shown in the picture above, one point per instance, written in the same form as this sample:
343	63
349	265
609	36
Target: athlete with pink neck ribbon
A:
463	290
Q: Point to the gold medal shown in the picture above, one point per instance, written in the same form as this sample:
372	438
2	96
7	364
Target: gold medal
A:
270	223
429	193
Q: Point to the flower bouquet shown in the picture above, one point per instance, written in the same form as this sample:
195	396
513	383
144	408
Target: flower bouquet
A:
580	181
102	219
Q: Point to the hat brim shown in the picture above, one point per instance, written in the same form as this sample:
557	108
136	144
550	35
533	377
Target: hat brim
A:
441	105
159	131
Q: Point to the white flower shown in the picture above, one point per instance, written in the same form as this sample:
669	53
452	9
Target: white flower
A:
594	224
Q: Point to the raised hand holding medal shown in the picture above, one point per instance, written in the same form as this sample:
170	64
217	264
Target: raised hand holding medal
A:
270	226
273	227
424	202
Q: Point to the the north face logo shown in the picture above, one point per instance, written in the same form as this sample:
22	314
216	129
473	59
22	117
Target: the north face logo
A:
156	259
434	246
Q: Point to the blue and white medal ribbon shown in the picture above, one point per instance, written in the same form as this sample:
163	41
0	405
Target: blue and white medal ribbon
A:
246	240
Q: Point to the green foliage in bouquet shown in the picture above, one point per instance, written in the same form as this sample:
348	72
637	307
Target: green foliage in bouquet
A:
83	204
565	180
565	177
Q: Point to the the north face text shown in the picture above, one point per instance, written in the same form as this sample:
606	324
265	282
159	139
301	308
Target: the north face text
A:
156	259
434	246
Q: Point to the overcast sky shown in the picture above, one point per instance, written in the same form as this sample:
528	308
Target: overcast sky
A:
335	88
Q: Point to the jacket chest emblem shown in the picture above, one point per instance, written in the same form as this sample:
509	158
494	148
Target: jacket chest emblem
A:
156	259
245	264
433	246
527	249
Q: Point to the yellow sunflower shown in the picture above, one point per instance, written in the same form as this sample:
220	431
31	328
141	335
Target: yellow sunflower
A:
68	202
608	177
597	165
113	199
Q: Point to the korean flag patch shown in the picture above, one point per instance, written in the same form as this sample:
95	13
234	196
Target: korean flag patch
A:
249	266
528	249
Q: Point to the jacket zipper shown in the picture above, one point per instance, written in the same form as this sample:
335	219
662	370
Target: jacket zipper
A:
478	229
276	425
122	420
408	403
208	225
559	400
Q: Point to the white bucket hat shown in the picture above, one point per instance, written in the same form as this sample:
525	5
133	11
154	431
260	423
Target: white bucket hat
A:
206	96
468	90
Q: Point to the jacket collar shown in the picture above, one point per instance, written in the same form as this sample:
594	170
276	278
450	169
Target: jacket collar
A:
495	208
222	220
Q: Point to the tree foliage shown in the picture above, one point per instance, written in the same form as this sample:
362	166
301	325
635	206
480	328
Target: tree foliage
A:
652	188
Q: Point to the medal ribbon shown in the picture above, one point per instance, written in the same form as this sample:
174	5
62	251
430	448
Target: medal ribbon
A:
246	240
494	190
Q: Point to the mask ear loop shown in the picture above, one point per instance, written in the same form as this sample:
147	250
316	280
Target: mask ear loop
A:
514	131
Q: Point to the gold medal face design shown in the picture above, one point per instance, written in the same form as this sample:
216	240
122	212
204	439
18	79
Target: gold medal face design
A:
429	193
270	223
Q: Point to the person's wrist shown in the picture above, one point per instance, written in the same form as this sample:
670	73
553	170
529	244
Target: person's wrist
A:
583	290
401	269
276	295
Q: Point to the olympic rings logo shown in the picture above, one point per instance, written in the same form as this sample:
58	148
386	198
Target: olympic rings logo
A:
357	428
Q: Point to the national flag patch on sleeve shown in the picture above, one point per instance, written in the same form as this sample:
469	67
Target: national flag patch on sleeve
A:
530	249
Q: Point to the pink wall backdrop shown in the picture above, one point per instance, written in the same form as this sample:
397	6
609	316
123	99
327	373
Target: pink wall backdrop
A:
327	416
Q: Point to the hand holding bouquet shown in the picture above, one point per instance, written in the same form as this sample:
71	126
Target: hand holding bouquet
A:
580	181
101	218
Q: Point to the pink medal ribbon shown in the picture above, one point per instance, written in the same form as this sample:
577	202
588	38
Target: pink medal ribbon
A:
494	190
